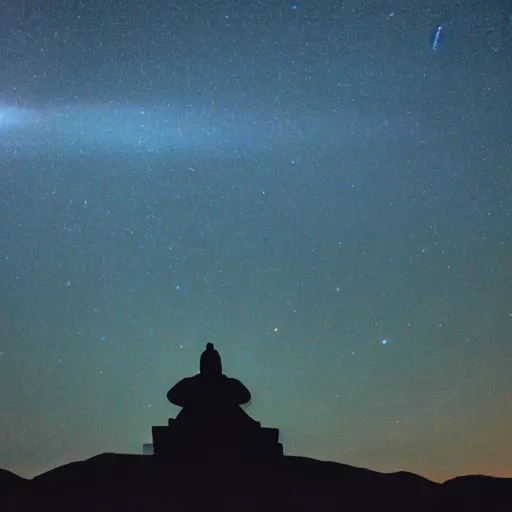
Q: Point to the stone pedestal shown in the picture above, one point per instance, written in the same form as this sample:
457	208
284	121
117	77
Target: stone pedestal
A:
210	442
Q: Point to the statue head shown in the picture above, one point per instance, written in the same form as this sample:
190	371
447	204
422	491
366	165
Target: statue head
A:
210	364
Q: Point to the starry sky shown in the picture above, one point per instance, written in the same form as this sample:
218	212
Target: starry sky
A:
314	187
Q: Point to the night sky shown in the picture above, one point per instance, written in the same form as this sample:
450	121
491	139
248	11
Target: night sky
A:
323	189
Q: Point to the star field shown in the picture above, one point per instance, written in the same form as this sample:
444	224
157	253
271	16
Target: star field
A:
306	185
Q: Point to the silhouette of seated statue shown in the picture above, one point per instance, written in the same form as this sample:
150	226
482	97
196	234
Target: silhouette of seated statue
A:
211	424
210	399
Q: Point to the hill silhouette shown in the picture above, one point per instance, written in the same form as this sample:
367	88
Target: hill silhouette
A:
214	457
138	482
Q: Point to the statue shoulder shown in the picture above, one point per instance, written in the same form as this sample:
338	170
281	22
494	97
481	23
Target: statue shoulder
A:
183	391
241	393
